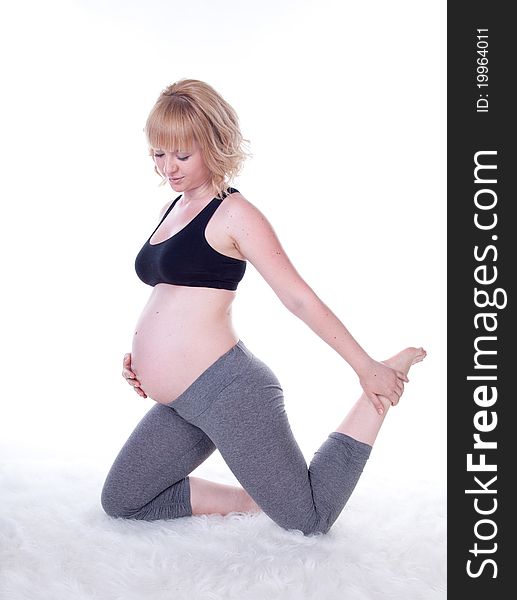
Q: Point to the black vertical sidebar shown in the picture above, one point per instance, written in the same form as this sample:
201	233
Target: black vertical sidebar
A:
482	268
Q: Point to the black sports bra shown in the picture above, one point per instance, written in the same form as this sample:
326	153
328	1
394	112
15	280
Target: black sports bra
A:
186	258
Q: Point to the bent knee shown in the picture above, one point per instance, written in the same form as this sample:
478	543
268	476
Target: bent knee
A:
112	504
315	525
317	529
111	508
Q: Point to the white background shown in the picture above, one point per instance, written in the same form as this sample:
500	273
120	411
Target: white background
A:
344	105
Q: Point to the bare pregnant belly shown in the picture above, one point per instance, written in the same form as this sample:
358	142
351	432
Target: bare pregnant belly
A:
178	336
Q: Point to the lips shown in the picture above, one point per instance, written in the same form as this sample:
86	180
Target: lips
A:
175	179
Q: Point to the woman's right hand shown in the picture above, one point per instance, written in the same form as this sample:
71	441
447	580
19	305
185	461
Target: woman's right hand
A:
378	379
130	377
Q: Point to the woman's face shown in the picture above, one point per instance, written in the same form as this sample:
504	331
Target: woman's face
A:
184	170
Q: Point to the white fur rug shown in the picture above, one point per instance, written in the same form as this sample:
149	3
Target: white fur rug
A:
57	544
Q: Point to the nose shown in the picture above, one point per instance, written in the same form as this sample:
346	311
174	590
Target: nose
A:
169	166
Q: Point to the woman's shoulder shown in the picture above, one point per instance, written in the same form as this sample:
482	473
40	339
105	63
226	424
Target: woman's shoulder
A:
241	214
237	205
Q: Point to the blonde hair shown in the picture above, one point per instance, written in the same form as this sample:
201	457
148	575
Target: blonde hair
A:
191	111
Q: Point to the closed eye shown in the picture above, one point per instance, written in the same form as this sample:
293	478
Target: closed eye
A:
160	154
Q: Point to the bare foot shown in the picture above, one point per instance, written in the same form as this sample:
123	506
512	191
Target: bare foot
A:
363	422
402	362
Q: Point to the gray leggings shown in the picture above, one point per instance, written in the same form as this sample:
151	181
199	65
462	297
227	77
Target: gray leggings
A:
236	406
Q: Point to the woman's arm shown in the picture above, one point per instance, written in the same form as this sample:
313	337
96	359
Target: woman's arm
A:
256	240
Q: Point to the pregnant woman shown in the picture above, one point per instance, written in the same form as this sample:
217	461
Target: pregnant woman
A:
210	390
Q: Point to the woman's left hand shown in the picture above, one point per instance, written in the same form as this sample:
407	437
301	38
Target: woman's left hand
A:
380	380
